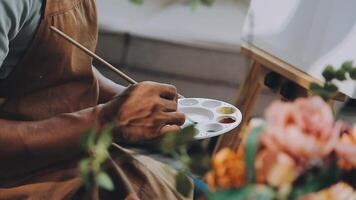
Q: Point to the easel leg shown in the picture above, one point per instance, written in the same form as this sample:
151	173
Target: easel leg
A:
249	92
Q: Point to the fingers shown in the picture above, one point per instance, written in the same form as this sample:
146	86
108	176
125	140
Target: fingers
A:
169	105
169	95
149	109
167	91
169	129
173	118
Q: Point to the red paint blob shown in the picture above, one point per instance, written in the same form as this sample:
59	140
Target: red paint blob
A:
227	120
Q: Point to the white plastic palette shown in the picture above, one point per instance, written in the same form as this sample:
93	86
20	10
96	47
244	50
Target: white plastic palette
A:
211	117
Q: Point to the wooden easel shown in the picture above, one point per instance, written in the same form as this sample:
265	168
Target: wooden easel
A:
262	64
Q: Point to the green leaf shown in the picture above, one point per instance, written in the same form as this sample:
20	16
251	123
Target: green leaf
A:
186	135
101	155
200	164
207	2
255	192
314	87
87	141
340	75
168	144
252	145
325	95
84	168
137	2
194	3
105	139
183	184
330	87
316	180
322	91
347	66
235	194
353	74
184	158
172	141
329	73
104	181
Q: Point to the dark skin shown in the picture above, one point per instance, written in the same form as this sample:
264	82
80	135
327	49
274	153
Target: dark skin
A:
144	111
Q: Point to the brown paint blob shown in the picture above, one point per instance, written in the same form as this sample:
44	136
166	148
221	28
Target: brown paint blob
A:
227	120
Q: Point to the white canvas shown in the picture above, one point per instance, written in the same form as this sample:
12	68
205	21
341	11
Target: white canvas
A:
308	34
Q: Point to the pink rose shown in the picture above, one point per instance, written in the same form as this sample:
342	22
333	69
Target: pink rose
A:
317	116
275	168
304	129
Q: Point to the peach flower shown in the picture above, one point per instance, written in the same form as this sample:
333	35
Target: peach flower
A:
339	191
346	149
304	129
275	168
228	169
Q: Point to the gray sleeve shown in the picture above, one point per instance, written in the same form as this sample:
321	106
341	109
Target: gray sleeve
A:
12	17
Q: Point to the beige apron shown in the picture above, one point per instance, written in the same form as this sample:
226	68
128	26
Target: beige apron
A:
55	77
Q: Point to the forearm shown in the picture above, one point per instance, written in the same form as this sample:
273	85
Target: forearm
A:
30	145
107	88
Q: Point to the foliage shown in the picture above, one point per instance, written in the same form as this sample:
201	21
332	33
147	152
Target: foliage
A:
183	184
251	191
315	180
137	2
96	146
251	148
195	3
330	74
173	144
197	161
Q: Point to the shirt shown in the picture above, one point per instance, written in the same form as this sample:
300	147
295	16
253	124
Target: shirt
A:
19	20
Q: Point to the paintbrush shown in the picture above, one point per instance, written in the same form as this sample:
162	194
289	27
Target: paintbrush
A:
90	53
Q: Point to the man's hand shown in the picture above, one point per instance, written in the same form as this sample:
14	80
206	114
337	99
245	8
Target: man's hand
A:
144	111
141	112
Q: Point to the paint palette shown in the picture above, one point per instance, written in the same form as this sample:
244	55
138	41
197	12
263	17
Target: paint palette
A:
210	117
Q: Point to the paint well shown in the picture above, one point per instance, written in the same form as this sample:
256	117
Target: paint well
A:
188	102
211	104
197	114
226	110
226	120
212	128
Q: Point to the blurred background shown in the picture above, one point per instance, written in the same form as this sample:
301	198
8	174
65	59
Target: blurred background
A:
188	43
194	47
